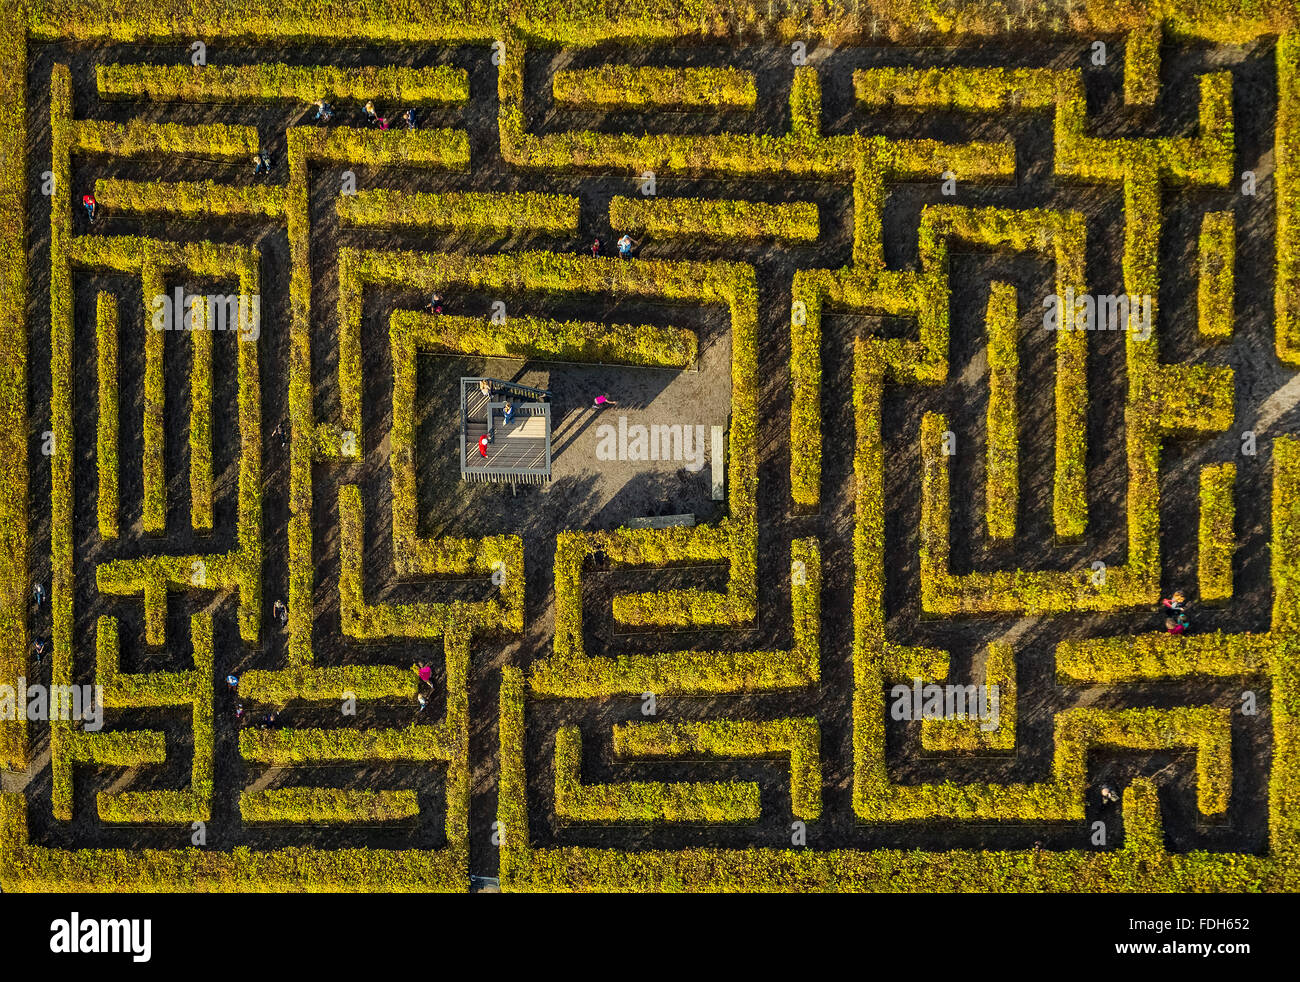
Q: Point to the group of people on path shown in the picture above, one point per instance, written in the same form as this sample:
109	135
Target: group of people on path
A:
378	122
325	114
1175	608
627	246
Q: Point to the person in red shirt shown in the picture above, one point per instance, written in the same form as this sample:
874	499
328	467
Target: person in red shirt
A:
1175	627
482	445
90	204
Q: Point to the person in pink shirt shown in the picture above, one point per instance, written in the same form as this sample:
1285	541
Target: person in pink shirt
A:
602	401
426	674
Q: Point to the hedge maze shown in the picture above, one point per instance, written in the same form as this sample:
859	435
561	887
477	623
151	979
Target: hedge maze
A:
992	317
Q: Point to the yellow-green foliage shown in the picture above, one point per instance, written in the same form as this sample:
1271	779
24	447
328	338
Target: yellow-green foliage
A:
569	672
1004	591
800	738
328	684
198	198
306	83
137	138
806	103
201	427
644	801
543	339
297	747
154	575
502	556
120	748
969	733
1142	66
1158	655
162	689
106	340
795	221
13	376
1286	175
629	87
806	385
1286	535
954	87
1217	537
503	213
327	806
1063	233
1207	728
1217	252
155	438
1002	479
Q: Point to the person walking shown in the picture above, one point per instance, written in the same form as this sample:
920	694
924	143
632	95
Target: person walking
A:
435	304
601	401
91	205
625	246
595	247
508	412
324	111
425	672
1175	626
280	611
371	117
408	118
38	595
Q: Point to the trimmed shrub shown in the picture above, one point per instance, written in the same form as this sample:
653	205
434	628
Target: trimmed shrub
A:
305	83
327	806
201	427
106	424
970	733
799	738
795	221
1217	254
630	87
204	199
299	747
644	801
1002	478
1217	538
483	212
1158	656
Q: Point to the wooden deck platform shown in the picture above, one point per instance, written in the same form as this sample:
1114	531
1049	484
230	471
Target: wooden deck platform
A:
518	451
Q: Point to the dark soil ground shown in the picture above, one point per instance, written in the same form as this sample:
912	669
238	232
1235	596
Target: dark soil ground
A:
590	494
